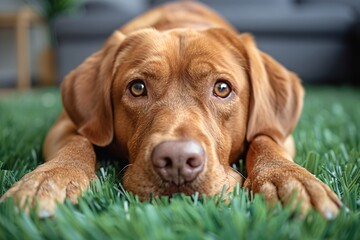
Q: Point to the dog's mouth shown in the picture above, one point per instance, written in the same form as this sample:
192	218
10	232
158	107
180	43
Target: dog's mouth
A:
171	189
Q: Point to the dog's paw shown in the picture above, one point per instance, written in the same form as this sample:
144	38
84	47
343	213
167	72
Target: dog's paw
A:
48	185
292	184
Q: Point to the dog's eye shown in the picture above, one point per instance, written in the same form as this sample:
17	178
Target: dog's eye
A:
221	89
137	88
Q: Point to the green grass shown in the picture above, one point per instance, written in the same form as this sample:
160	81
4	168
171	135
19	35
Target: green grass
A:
328	145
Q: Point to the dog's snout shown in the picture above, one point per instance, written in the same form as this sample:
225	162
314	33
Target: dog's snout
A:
178	161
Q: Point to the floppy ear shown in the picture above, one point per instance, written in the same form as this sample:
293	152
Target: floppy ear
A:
276	95
86	93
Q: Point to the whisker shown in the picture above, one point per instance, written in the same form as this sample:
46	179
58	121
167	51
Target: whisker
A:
123	169
242	175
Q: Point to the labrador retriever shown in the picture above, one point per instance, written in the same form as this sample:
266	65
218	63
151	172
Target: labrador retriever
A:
182	96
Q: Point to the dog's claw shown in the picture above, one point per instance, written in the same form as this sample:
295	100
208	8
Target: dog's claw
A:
43	213
328	214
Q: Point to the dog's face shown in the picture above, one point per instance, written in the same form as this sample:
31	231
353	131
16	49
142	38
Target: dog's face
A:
180	105
184	90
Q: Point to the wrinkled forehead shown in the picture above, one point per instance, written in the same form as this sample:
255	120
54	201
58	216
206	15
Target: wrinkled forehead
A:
180	50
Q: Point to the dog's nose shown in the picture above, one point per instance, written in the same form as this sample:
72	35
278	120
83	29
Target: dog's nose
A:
178	161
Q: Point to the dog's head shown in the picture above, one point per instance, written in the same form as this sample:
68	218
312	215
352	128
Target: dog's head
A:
181	105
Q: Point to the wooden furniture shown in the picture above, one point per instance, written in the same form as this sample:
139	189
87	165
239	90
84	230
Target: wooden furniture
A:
21	20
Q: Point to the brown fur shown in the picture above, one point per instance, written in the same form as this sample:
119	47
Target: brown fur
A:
180	50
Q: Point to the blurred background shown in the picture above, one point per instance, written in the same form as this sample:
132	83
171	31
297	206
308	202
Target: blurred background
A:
42	40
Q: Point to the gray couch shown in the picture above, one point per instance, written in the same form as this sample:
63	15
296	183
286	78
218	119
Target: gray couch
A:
318	39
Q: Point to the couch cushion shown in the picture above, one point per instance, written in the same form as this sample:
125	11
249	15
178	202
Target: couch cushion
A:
98	18
100	6
353	3
76	28
232	2
314	19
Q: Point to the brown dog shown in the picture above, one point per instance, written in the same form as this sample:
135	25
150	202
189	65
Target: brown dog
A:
182	96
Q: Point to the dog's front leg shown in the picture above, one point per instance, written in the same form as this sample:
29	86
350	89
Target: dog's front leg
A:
272	172
69	167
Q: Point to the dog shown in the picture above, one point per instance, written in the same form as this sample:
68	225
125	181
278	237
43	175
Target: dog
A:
181	95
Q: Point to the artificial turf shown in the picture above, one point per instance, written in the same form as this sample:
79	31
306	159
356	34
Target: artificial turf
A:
328	145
